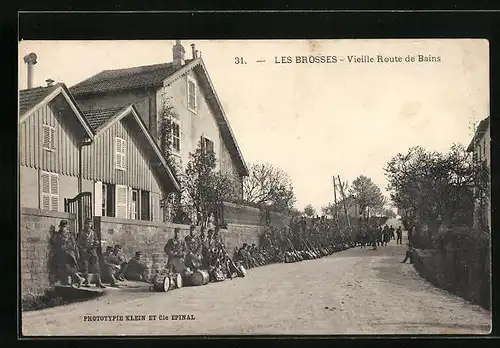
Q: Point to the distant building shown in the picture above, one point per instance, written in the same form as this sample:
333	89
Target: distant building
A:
480	147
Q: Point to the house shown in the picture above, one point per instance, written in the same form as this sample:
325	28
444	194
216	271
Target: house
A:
480	147
124	166
180	88
52	134
108	153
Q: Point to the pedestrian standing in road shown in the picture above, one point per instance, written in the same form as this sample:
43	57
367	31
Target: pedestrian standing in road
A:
399	233
87	244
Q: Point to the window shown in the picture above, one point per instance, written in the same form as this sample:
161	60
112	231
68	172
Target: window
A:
49	138
121	201
134	205
120	152
49	191
104	200
207	144
145	205
176	136
191	94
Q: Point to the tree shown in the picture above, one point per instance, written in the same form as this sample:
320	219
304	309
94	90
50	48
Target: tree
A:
309	210
437	189
389	213
207	189
268	185
367	194
328	210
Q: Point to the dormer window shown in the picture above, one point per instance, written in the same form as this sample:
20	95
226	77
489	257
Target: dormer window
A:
192	104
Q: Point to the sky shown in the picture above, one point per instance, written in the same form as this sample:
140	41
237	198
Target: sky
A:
313	120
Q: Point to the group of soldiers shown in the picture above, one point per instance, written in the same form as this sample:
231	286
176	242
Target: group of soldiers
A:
73	259
205	251
379	236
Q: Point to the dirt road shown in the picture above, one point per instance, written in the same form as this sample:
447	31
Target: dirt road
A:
351	292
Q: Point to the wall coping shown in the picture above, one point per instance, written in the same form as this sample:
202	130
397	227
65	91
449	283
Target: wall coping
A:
234	205
47	213
243	225
114	220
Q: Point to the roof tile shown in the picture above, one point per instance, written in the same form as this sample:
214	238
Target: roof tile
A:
98	117
120	79
28	98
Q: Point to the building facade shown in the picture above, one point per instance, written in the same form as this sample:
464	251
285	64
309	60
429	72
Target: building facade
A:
480	146
52	134
179	92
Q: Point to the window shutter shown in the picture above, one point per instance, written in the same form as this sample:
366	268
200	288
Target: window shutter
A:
117	153
124	151
98	198
202	143
121	201
53	138
46	137
54	188
45	191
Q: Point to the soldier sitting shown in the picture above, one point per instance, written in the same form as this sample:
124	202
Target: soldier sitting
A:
136	269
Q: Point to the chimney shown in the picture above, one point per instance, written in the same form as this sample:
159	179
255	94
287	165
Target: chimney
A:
194	52
50	82
30	59
178	54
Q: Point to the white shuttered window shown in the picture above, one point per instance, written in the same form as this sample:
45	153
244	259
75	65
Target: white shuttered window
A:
155	206
49	138
120	151
121	202
49	191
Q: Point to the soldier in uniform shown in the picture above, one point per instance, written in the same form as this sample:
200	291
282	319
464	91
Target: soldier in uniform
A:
204	249
399	233
175	250
194	249
136	269
116	265
88	243
65	256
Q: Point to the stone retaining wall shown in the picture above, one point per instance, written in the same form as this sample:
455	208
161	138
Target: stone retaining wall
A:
36	228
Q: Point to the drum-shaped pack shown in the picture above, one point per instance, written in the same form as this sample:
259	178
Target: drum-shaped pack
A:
162	283
199	277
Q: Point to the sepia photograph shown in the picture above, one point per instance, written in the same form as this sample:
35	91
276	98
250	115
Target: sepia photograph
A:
254	187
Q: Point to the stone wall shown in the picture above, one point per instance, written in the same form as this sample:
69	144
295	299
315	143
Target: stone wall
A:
151	237
36	228
246	215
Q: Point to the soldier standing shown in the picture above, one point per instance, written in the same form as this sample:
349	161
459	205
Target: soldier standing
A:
88	243
399	233
175	250
66	255
194	248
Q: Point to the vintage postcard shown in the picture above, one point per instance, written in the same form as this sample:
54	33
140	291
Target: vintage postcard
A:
267	187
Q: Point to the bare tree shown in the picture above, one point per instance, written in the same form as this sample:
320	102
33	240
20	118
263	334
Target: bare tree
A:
270	186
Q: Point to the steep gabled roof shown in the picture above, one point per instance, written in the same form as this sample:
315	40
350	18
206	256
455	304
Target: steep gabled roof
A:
158	75
123	79
102	119
33	98
481	129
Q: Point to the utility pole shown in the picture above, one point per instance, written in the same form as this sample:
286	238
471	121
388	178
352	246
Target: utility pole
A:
345	208
335	216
